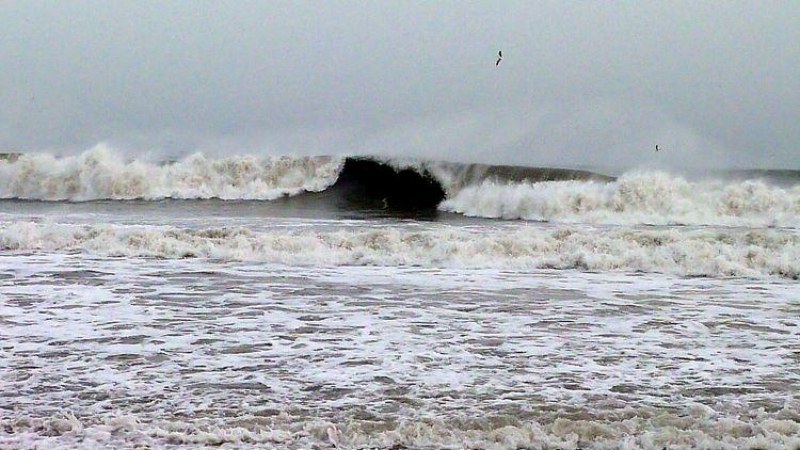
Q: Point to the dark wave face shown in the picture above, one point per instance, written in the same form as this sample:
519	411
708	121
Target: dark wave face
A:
417	188
368	183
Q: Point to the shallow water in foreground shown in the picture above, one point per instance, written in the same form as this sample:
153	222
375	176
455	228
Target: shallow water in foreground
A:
100	352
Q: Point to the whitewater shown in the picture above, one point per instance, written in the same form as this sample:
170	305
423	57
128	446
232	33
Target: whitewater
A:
294	302
638	197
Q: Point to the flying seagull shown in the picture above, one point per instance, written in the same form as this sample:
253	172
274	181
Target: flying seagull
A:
657	147
499	58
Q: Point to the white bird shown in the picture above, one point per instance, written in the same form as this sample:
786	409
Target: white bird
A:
657	147
499	58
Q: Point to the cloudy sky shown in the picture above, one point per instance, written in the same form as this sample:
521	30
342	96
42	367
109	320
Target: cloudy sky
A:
582	83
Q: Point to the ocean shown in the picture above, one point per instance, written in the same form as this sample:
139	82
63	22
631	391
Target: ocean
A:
245	301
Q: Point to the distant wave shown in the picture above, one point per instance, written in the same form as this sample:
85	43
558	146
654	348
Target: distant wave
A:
686	252
743	198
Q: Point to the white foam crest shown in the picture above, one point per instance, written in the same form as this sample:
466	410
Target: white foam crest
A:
646	431
101	173
642	197
703	252
451	176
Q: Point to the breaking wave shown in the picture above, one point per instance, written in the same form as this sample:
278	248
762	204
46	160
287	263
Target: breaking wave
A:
101	174
636	198
477	190
686	252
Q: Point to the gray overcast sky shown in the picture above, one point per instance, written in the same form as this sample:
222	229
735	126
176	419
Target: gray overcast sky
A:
582	83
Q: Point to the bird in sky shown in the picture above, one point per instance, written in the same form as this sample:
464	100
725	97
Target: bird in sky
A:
657	147
499	58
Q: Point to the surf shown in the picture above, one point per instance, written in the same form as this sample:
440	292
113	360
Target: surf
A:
514	246
414	187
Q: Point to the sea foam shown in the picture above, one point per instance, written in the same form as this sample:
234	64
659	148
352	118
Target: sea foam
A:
635	429
693	252
103	174
655	198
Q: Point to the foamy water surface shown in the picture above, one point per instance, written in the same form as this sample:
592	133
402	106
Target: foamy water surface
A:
647	312
105	351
